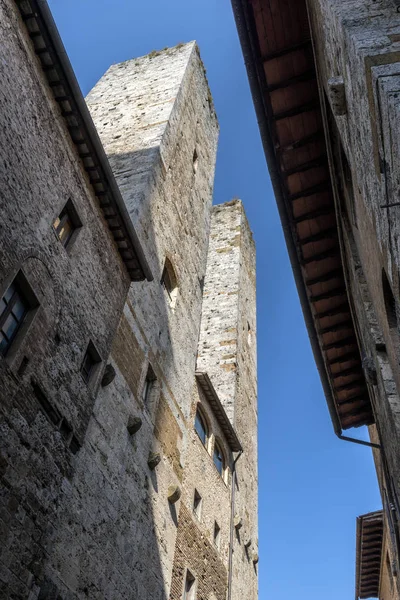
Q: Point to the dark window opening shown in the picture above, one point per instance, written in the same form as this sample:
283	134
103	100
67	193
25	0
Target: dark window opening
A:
50	411
90	362
200	427
341	167
347	184
169	282
195	160
218	458
389	570
17	301
23	366
190	584
217	534
390	302
148	384
67	223
197	500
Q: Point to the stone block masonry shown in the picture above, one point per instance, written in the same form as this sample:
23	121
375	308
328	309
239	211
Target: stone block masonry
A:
227	352
95	520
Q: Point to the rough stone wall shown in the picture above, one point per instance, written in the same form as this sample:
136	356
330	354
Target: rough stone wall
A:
389	568
39	172
164	165
227	352
133	513
359	41
195	549
97	524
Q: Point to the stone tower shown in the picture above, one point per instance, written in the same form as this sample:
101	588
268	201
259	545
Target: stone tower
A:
117	438
227	351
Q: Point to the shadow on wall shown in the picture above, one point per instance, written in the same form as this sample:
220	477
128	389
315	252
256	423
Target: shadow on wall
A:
114	532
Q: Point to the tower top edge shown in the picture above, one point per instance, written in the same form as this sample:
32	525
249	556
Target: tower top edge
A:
168	51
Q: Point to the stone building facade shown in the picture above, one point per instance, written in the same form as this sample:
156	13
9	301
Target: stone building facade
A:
325	80
128	464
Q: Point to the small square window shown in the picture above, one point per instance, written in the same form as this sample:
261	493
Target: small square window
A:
197	502
15	305
190	587
90	362
66	224
217	535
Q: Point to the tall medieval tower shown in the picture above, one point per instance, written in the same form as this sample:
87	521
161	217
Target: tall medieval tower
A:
158	500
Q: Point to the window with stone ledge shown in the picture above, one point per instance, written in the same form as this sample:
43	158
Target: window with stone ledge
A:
17	303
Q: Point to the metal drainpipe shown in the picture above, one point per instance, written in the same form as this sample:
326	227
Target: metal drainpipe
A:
361	442
232	525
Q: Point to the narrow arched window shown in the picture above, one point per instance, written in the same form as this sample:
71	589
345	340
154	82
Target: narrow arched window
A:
218	458
169	282
200	427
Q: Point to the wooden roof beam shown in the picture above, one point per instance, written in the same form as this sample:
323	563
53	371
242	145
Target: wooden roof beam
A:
348	341
329	276
314	189
314	214
326	234
278	53
354	355
315	163
339	291
296	110
306	76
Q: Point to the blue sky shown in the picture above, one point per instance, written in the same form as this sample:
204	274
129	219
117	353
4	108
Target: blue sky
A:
312	485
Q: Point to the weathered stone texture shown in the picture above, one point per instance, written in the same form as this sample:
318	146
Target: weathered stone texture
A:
358	41
39	172
227	352
198	552
164	192
94	521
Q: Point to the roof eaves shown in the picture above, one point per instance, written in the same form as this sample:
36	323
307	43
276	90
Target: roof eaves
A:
219	411
365	522
250	54
66	91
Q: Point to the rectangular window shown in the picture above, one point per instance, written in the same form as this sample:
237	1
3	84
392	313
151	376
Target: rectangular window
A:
197	501
17	301
90	362
217	535
67	223
190	587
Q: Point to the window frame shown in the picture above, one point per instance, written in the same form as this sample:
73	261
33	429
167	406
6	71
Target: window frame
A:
69	212
92	353
199	413
22	292
218	447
